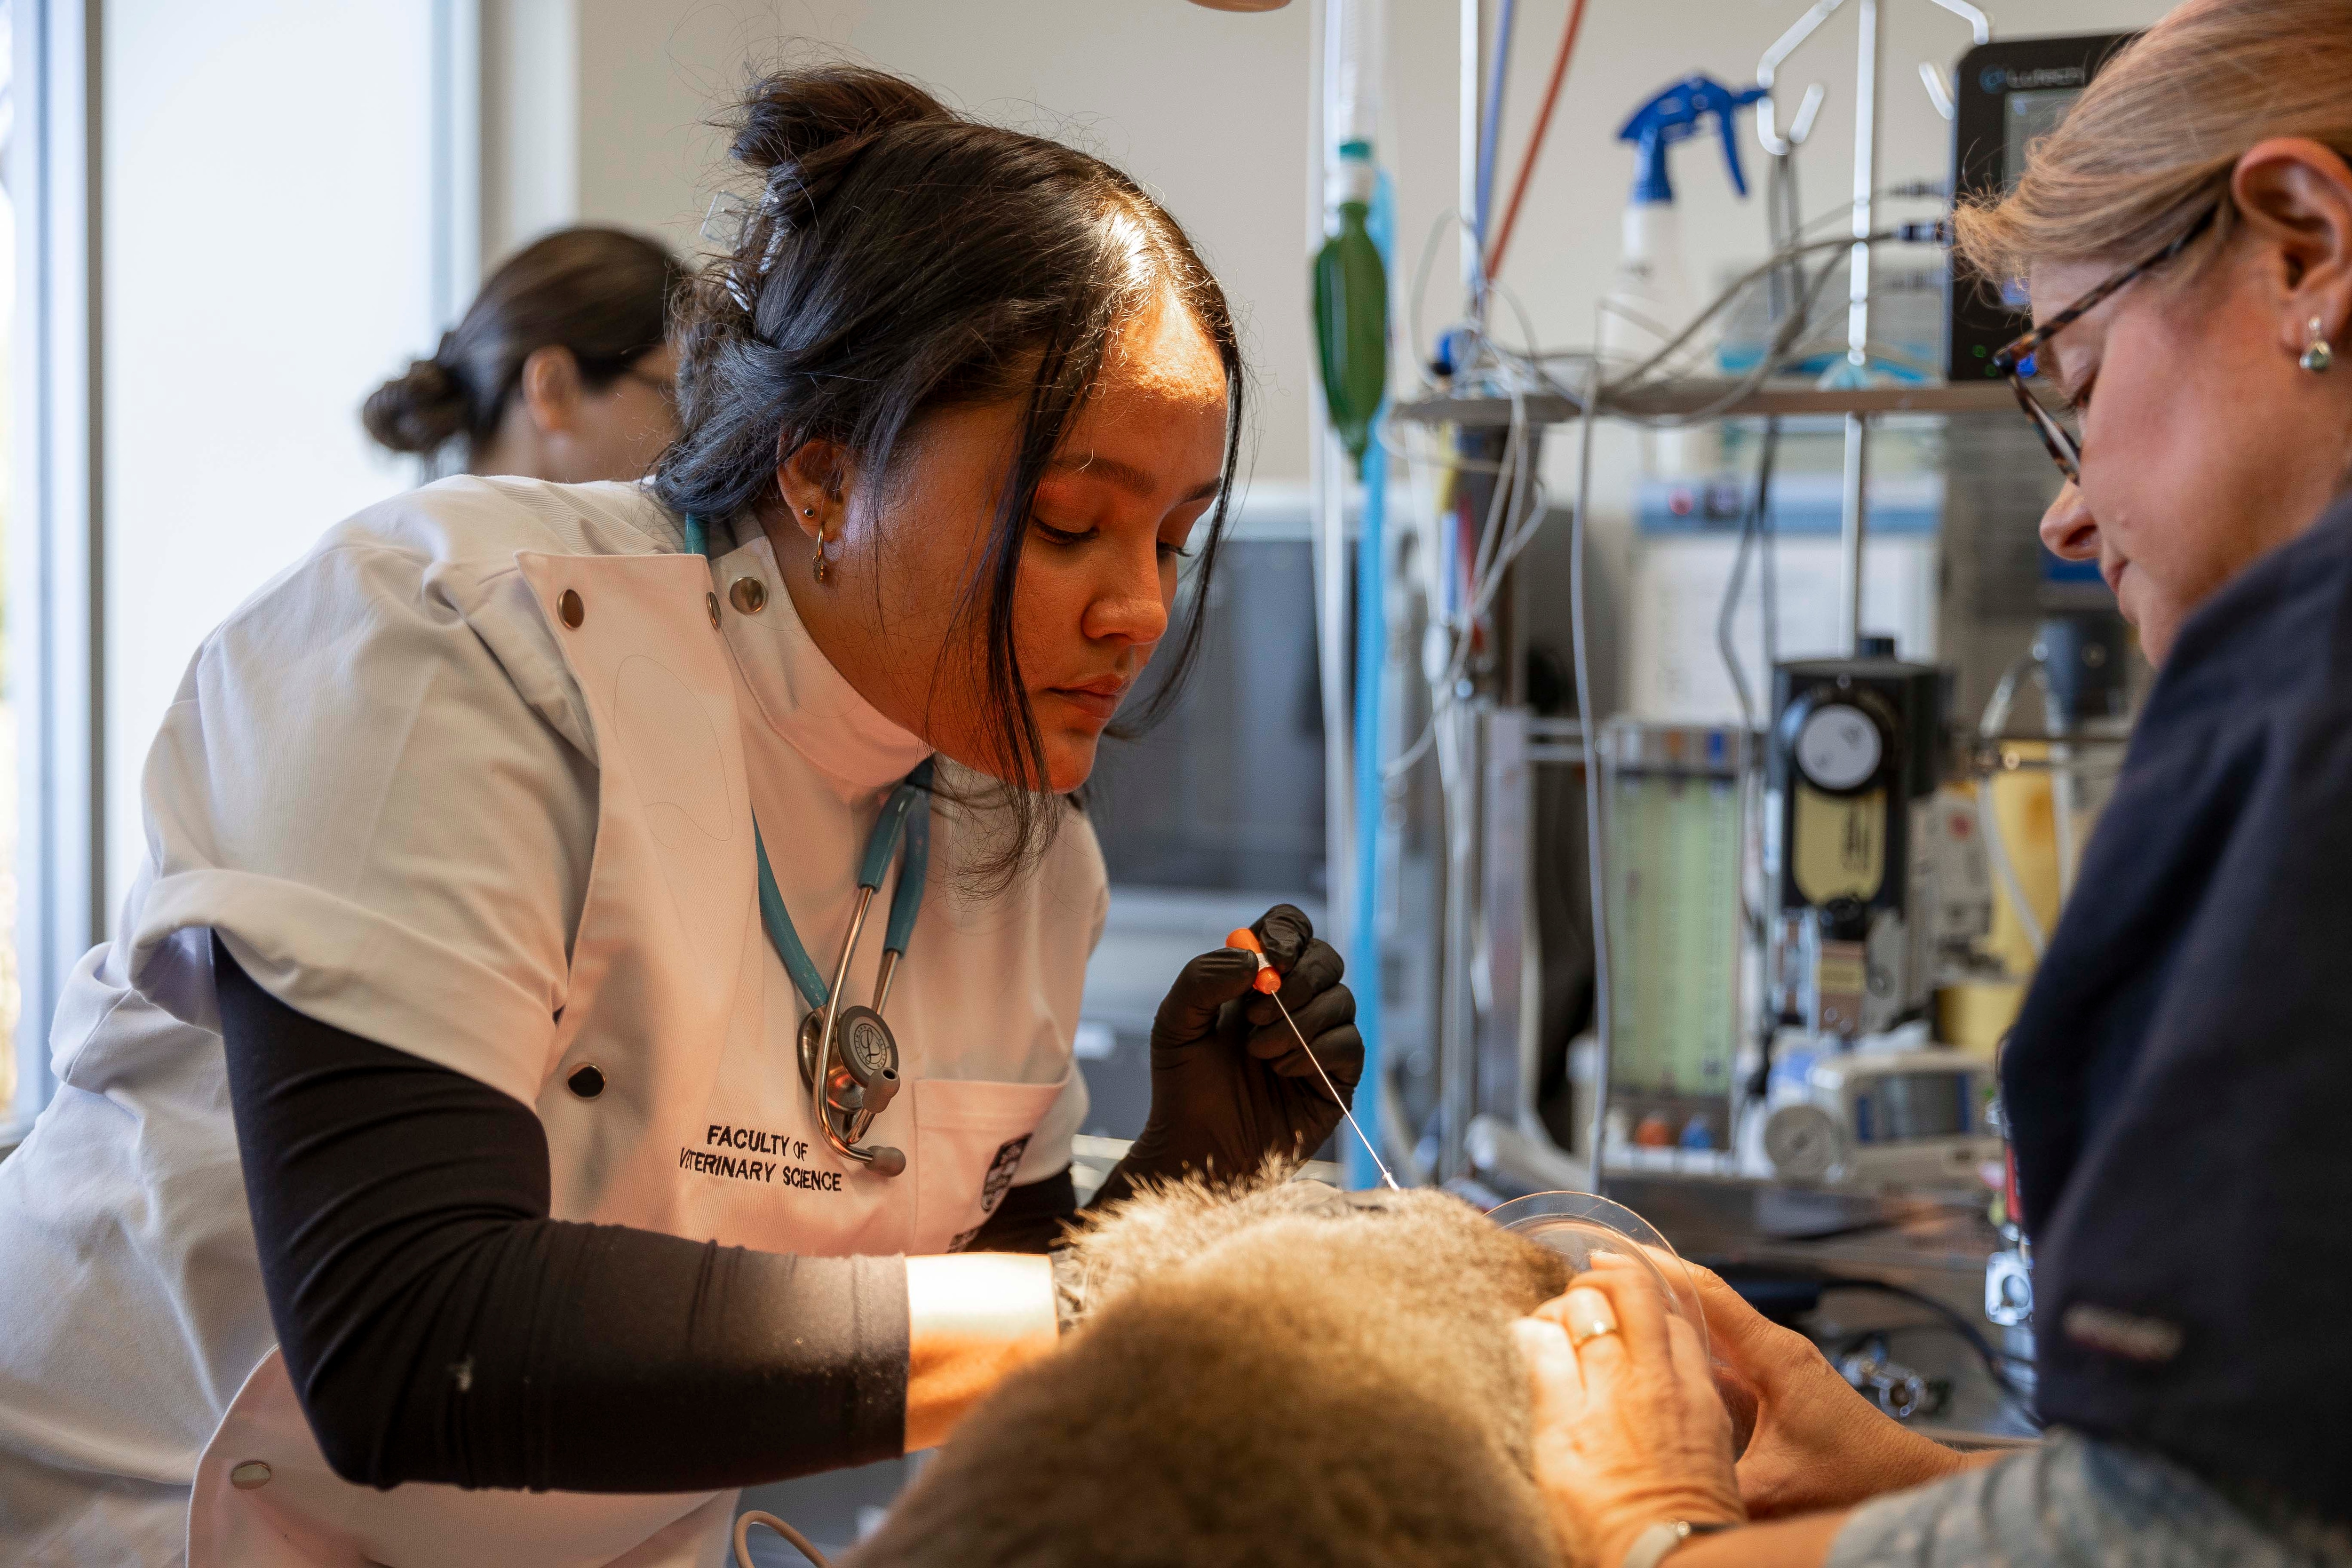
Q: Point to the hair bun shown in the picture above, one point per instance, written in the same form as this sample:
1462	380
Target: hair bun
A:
421	410
793	117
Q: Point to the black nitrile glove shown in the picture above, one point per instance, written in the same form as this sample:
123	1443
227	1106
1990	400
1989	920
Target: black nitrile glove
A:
1229	1084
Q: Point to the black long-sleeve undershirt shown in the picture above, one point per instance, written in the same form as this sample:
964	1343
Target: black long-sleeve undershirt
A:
440	1326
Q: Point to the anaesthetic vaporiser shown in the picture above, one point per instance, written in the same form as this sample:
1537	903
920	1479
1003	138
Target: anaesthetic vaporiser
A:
1852	762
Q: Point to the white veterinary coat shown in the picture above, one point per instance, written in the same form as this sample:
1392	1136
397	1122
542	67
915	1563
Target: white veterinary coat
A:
420	806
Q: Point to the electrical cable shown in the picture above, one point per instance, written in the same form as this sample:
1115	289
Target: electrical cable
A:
1531	363
745	1521
1497	544
1751	522
1789	282
1842	213
1995	1362
1783	299
1536	139
1723	618
1474	334
1580	544
1421	270
1767	583
1784	295
1737	392
1485	576
1730	295
1517	357
1767	367
1468	350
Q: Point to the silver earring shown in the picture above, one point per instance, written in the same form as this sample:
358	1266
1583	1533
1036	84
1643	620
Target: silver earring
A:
2319	357
808	512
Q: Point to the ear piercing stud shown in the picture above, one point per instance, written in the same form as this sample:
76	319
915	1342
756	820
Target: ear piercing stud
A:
2318	355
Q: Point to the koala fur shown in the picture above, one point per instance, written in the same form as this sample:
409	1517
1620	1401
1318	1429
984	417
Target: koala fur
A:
1281	1377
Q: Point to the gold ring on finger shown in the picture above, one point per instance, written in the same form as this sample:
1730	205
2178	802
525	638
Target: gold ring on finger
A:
1588	1315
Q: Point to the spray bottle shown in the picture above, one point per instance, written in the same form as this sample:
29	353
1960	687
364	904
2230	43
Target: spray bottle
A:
1651	299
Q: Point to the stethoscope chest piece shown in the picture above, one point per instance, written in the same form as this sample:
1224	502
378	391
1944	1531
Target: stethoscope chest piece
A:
868	1047
865	1068
848	1057
861	1078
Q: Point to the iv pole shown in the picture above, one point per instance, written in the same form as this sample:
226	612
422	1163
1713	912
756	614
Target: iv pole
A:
1869	56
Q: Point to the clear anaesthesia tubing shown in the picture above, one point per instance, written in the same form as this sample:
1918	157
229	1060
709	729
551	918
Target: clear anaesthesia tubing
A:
1480	366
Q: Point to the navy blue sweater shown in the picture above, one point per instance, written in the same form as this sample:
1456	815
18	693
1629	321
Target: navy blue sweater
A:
2179	1081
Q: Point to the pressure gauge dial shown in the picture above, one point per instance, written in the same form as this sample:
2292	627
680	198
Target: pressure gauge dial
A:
1801	1141
1839	747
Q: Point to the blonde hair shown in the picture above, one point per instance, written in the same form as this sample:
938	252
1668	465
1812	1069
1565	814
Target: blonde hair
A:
2149	147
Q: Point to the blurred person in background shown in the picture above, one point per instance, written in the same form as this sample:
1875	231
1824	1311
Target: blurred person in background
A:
560	370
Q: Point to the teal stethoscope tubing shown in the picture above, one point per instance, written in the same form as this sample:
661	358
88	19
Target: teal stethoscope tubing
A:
899	818
900	821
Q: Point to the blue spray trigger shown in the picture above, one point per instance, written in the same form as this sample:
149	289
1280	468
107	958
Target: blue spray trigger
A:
1674	115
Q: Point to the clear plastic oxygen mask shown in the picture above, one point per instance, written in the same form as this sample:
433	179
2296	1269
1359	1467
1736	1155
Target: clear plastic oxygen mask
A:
1581	1227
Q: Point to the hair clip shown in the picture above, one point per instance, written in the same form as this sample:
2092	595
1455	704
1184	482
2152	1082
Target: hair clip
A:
723	223
777	230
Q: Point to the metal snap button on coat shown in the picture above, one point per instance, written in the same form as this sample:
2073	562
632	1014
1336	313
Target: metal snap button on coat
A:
250	1476
570	608
587	1081
710	603
749	595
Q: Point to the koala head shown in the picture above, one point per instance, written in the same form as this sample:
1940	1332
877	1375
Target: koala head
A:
1284	1374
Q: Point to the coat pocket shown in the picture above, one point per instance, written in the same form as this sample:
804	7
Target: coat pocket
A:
970	1137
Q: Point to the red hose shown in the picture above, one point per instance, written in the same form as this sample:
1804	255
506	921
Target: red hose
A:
1535	142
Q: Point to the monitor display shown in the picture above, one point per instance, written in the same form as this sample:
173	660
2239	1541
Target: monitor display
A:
2007	95
1900	1107
2026	118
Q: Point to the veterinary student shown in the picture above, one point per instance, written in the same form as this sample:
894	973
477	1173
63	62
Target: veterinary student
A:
2179	1079
561	369
437	1120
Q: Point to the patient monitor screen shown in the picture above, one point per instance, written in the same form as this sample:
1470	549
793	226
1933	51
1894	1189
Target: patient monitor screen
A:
2029	117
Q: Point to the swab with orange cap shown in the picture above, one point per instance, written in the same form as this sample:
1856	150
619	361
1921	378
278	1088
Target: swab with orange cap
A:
1267	982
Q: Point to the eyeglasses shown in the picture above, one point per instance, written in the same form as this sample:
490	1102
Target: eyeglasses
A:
2016	361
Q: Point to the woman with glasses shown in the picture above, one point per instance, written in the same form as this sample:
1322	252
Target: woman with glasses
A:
558	371
2179	1081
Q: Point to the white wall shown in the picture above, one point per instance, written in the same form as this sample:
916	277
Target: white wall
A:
1567	244
1212	111
269	233
530	85
1208	109
270	216
1565	247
